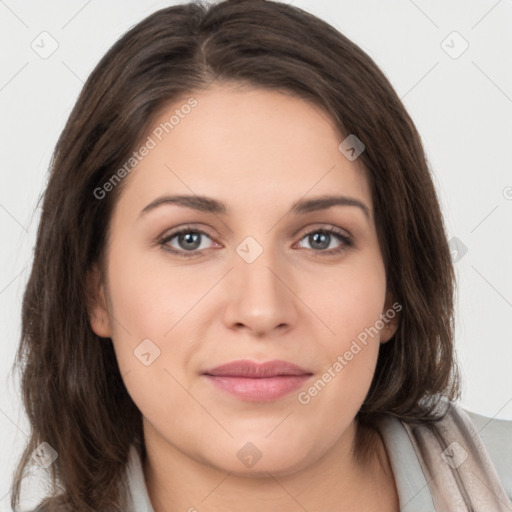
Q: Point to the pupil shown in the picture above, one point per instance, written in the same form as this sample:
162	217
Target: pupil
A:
188	238
323	237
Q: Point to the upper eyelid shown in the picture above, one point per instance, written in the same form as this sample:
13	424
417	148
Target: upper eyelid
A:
316	226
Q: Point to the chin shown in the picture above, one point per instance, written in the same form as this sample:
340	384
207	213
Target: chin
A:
258	458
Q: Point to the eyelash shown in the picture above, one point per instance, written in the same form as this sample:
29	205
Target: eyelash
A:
347	241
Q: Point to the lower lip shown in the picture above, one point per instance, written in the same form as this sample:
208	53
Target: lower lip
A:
259	390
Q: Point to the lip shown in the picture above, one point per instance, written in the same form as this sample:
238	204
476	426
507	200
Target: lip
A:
258	382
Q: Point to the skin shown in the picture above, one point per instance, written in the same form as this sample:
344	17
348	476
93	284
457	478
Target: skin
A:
258	151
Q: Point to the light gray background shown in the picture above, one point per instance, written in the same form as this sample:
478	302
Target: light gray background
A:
462	107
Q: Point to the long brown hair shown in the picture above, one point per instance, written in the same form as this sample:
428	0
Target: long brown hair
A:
72	389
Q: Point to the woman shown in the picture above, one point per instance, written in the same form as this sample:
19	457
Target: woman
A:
242	292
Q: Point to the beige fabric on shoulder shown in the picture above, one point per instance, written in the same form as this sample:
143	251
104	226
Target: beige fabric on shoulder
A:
456	464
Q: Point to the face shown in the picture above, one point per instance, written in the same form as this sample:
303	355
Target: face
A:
191	288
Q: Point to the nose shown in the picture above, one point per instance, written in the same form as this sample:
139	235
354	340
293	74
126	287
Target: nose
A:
260	295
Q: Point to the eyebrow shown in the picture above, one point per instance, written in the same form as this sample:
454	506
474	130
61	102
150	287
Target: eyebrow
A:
300	207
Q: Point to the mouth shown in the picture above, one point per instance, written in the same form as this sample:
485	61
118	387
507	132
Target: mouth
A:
258	382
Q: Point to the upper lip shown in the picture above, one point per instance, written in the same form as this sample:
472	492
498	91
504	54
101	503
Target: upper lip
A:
252	369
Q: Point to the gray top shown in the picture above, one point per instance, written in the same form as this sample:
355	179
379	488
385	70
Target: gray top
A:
413	489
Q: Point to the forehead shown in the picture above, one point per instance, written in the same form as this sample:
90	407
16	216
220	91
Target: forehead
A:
245	144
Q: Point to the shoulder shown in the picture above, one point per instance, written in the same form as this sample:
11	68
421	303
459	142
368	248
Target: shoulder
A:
460	435
496	436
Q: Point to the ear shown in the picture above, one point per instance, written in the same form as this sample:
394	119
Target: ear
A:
97	304
390	317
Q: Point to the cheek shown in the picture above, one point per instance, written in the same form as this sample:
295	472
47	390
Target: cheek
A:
149	294
350	302
159	301
149	314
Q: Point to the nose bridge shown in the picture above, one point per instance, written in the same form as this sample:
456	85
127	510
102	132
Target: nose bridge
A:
261	300
256	266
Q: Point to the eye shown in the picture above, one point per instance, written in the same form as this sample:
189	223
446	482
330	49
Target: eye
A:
321	239
188	240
